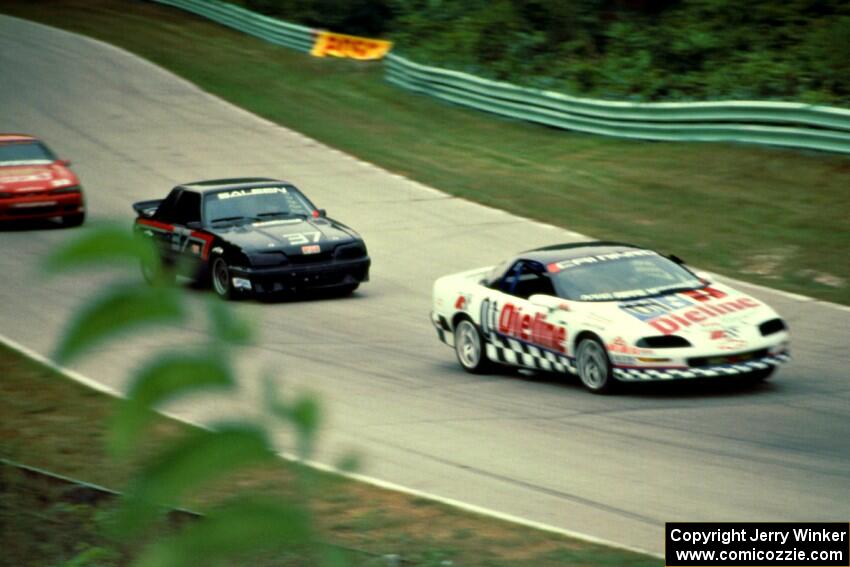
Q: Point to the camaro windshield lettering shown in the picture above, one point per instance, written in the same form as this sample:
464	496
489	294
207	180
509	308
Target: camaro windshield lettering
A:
574	262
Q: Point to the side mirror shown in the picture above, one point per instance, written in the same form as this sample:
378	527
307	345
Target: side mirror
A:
323	213
549	302
676	259
65	162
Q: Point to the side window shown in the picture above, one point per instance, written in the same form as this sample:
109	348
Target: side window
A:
165	211
525	279
188	208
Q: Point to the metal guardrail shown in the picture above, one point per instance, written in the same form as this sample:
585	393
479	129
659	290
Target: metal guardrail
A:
788	124
269	29
770	123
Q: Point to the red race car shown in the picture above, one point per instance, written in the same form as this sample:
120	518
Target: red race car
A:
35	184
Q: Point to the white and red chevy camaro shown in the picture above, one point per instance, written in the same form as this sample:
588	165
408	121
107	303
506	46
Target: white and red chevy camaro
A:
607	312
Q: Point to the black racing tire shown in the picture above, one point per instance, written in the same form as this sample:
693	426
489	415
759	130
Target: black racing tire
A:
470	348
150	272
220	279
759	376
154	272
594	366
73	220
345	290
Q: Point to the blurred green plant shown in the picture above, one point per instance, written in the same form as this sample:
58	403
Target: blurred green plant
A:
245	524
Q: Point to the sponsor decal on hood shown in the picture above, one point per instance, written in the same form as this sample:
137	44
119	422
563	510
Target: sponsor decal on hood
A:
670	314
31	177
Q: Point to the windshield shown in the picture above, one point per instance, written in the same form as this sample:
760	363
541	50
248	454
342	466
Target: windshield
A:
25	153
256	204
620	275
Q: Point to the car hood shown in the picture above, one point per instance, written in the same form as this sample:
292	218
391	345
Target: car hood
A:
707	314
25	178
287	235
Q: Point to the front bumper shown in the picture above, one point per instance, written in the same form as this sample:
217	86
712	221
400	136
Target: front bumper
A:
646	374
41	206
299	277
444	330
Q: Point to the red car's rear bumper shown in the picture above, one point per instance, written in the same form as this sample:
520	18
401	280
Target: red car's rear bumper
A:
41	205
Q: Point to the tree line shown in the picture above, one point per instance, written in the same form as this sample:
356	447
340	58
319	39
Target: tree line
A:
639	50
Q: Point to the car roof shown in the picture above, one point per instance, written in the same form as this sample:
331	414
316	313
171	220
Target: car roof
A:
561	252
233	183
4	137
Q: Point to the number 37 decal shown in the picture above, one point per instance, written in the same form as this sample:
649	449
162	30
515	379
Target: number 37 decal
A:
303	237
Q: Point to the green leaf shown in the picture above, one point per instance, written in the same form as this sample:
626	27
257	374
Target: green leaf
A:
227	326
117	311
349	463
94	556
199	458
163	380
304	414
243	527
108	244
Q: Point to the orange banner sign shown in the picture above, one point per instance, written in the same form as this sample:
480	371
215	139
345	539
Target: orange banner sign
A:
341	45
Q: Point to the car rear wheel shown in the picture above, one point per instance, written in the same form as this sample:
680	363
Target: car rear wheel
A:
155	272
469	348
73	220
594	367
150	271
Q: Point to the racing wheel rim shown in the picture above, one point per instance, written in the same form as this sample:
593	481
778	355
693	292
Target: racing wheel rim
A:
221	277
592	364
149	271
467	344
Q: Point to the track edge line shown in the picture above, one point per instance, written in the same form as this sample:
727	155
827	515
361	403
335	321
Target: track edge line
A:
386	485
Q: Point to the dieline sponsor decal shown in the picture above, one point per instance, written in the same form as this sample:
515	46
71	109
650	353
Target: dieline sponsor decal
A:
671	313
674	322
514	322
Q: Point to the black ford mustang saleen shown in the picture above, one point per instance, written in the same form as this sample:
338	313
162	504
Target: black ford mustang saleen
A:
251	235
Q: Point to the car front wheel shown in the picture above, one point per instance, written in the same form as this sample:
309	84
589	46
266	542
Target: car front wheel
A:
469	348
73	220
221	280
757	376
594	367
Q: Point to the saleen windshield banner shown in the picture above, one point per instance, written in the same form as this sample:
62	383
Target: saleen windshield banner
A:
768	544
341	45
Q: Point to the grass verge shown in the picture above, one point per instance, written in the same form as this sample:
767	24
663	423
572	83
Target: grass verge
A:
52	423
772	216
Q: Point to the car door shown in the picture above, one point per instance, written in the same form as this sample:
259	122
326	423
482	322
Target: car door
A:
519	331
186	221
160	229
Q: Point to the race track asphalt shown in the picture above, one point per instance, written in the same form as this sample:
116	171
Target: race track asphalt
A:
539	447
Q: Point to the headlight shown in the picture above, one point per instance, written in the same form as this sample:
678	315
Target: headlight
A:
772	326
261	259
350	251
663	341
63	190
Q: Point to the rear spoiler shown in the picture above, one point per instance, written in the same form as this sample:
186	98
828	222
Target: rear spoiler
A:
146	209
